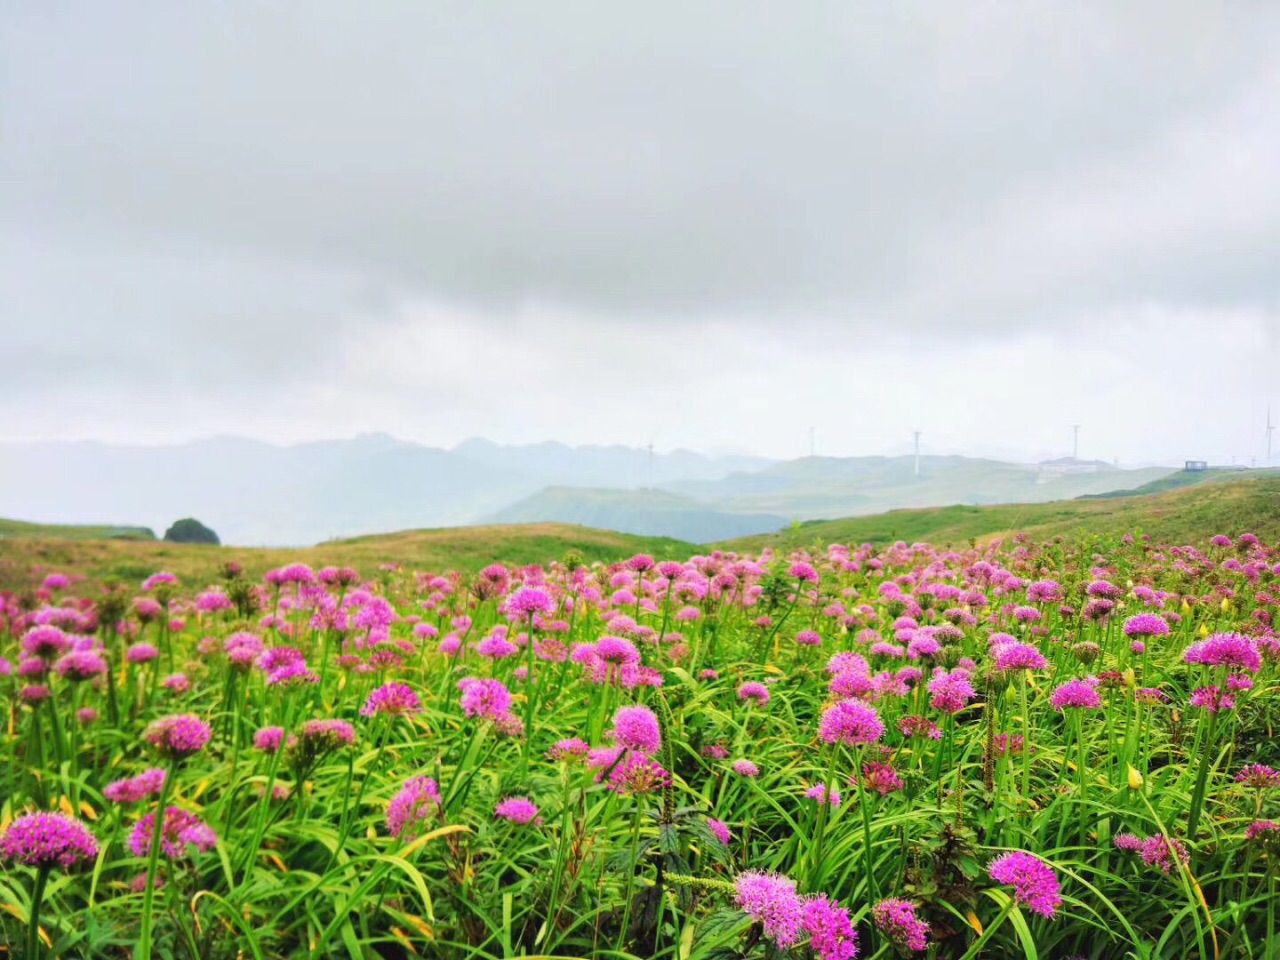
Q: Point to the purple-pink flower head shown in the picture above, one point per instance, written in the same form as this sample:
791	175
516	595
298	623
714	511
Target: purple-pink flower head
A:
80	665
918	726
274	659
417	801
242	649
322	735
1076	694
852	722
568	750
640	563
488	699
178	735
176	683
809	638
1211	698
745	768
616	650
46	642
161	579
636	728
1146	625
269	739
847	662
1103	589
56	581
136	789
180	831
823	793
831	932
922	646
1044	591
1034	883
754	691
516	809
526	601
291	673
804	572
1018	656
1225	650
1264	831
636	773
1258	776
771	900
720	830
670	569
950	692
880	778
897	920
292	573
395	699
47	840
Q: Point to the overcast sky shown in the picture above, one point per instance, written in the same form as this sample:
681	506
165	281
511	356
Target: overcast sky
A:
710	225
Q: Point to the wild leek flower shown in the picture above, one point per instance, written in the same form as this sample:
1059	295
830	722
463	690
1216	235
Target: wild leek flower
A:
852	722
47	840
637	728
1034	883
897	920
181	830
417	800
520	810
178	735
395	699
135	789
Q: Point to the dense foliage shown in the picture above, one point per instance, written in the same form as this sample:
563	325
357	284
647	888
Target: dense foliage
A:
1041	750
190	530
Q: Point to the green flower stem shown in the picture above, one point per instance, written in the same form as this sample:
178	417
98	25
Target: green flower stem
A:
629	886
34	949
820	827
1202	775
873	895
153	863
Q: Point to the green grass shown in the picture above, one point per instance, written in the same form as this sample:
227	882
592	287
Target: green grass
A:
1185	514
25	559
20	528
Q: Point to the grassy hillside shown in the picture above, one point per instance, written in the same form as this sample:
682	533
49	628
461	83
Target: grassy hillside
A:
643	512
1232	504
24	560
20	528
832	487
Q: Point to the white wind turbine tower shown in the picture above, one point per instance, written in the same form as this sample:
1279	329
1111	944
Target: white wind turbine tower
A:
1270	430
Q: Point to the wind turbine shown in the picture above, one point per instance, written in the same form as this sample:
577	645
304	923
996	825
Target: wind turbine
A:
1270	430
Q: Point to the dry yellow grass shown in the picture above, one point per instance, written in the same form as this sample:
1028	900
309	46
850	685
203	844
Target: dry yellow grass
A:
23	560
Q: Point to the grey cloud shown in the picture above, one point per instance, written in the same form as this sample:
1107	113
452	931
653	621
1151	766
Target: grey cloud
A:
831	160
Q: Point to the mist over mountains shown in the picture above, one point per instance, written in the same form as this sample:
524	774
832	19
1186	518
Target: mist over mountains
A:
255	493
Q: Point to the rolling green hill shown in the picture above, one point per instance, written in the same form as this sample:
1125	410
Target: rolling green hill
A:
25	559
1227	504
20	528
833	487
643	512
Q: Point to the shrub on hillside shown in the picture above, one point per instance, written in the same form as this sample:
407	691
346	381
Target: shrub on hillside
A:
190	530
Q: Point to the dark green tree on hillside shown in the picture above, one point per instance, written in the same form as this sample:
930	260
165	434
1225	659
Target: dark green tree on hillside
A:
190	530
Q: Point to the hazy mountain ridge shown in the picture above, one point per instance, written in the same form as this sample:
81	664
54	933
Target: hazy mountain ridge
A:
252	492
647	512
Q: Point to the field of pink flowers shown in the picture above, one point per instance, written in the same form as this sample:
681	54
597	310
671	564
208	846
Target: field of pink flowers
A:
1051	750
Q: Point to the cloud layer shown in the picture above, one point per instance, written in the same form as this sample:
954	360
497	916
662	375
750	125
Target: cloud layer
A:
717	226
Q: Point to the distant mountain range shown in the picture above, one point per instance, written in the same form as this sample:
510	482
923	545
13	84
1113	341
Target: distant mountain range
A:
254	493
